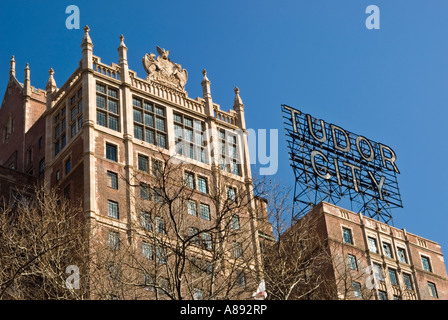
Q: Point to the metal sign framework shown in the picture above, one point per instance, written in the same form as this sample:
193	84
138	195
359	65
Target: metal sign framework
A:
331	164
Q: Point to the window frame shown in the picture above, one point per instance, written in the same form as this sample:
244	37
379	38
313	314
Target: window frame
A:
106	110
151	110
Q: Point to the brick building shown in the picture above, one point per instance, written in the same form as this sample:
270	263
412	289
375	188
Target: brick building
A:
372	260
99	137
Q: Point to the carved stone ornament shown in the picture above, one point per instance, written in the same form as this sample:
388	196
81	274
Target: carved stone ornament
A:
162	69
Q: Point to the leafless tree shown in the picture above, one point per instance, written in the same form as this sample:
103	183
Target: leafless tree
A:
43	246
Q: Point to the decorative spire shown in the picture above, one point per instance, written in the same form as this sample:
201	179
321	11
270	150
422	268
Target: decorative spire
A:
51	83
12	69
237	102
122	45
86	38
205	79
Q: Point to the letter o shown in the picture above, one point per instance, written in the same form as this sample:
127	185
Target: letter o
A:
358	146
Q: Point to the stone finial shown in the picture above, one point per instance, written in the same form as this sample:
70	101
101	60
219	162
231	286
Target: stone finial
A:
205	79
27	72
51	83
12	69
237	102
86	38
122	45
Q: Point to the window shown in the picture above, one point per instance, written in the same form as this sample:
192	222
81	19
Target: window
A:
432	290
188	135
147	251
189	180
378	271
197	294
112	209
372	244
193	233
157	167
67	192
387	250
235	222
114	240
76	113
231	194
382	295
161	255
111	152
144	191
68	166
202	185
145	219
397	297
41	166
205	211
347	235
356	289
228	150
158	195
41	142
143	163
191	207
112	180
149	122
207	240
107	114
30	155
241	280
426	264
160	225
407	281
402	255
352	264
237	250
58	175
393	277
59	137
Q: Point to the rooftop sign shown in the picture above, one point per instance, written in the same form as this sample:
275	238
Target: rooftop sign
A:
331	163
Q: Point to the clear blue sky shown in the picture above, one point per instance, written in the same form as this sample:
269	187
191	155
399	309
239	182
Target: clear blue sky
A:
389	85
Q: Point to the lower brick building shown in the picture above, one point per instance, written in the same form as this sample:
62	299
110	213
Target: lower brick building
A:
373	260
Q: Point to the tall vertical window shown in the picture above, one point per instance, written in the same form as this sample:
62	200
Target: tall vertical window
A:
147	251
41	166
191	208
76	113
432	290
193	233
114	240
387	250
145	220
231	193
149	122
60	137
205	211
235	222
228	152
347	235
202	185
189	180
378	271
372	245
107	111
157	167
144	191
207	240
426	264
357	289
68	166
160	225
402	255
112	209
351	260
393	277
188	133
143	163
112	180
237	250
407	281
111	152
